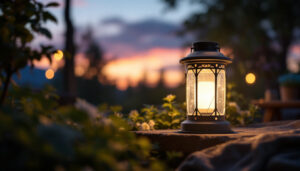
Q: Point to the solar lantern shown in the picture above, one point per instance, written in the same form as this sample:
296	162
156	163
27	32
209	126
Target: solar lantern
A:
205	89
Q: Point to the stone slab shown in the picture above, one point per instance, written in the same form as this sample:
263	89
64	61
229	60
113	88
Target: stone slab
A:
173	140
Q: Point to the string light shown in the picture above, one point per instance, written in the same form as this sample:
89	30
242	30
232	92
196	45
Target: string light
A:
250	78
49	74
58	55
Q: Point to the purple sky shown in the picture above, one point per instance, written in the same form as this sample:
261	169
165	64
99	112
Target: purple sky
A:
128	25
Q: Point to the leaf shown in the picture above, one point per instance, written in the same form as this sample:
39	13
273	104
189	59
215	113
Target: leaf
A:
49	16
167	105
52	4
45	32
175	121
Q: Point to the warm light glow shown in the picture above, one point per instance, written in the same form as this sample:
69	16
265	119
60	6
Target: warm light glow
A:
79	71
206	96
293	58
152	77
173	77
190	92
91	72
49	74
250	78
227	52
122	84
44	63
130	70
81	65
58	55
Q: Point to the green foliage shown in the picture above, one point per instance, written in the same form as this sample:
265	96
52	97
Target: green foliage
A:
167	116
238	109
38	134
291	80
241	117
20	21
170	114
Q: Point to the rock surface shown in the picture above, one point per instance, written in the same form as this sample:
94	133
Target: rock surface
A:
173	140
269	146
278	149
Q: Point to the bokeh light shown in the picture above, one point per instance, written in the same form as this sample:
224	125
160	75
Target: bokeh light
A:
79	71
49	74
58	55
250	78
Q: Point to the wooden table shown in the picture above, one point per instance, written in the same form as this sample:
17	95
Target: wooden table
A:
272	108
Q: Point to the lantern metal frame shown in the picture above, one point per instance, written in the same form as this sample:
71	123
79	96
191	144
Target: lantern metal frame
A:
205	55
215	69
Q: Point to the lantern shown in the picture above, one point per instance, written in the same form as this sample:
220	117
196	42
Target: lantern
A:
205	89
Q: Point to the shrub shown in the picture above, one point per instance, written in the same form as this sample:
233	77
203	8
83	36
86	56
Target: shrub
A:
239	111
167	116
37	134
20	20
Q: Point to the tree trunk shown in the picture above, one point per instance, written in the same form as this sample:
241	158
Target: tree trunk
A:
69	77
5	88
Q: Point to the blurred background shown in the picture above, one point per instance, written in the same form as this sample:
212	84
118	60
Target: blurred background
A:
127	52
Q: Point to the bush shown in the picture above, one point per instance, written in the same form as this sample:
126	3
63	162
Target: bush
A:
37	134
170	114
20	21
167	116
239	111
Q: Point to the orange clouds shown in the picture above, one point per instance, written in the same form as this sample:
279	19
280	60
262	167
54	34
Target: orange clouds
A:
146	66
131	70
81	64
44	63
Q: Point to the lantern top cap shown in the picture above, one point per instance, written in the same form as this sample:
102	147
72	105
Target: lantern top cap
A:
206	46
206	52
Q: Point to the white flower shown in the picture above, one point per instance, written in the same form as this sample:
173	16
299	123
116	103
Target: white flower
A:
145	127
137	125
133	115
90	109
170	97
234	104
151	123
119	115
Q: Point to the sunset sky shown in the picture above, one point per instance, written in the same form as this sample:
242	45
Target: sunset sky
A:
138	38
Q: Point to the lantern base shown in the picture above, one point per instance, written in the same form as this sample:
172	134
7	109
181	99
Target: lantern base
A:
206	127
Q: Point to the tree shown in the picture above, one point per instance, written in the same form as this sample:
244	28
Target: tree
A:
94	53
19	21
69	77
259	32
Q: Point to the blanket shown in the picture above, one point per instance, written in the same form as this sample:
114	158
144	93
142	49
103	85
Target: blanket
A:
278	149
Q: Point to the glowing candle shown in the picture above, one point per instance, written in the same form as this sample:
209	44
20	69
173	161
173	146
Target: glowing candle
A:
206	96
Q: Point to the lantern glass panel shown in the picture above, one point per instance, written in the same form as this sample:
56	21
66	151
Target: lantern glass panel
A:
190	92
206	92
221	81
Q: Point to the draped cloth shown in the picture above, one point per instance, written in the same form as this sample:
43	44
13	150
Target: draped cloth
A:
277	149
